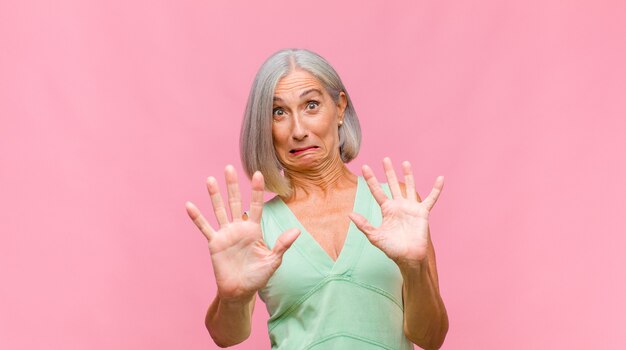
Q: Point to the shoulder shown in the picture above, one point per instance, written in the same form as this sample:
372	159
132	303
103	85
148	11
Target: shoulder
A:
272	221
272	201
271	206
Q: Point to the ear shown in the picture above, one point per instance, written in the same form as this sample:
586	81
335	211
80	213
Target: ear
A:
342	103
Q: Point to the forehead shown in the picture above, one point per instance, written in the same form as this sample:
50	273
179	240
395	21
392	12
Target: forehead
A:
296	82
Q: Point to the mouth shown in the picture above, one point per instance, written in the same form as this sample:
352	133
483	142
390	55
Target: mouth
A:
296	151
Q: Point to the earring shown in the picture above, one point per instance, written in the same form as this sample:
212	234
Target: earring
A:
340	122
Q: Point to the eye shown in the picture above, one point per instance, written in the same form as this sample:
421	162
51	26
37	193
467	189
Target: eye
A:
312	105
278	112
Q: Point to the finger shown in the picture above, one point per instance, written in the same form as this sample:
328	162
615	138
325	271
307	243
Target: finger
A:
434	193
256	205
234	196
409	181
199	220
216	200
392	180
372	183
285	241
361	223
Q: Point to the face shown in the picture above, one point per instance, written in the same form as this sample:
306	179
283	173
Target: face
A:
305	126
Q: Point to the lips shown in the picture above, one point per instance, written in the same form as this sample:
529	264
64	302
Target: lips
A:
300	150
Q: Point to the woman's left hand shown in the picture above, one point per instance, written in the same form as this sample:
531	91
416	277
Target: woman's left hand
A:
403	233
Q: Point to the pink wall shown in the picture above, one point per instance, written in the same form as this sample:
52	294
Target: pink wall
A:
114	112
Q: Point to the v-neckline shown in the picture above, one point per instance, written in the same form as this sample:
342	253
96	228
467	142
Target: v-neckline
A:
313	251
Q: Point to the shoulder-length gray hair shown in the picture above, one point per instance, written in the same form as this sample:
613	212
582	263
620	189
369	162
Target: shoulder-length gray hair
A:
256	145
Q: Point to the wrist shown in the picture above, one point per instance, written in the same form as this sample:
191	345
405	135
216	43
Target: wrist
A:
238	301
412	267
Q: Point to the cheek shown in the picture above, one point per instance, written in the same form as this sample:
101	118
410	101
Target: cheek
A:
278	136
329	129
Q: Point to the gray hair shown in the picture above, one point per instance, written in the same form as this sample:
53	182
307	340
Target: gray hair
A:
256	145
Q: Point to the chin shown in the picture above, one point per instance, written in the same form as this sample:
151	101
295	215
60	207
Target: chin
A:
304	163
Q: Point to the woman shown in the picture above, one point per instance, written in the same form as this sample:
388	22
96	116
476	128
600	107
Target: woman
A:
326	285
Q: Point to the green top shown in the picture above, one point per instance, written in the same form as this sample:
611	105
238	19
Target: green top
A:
317	303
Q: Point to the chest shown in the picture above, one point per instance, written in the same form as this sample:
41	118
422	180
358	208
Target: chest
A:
326	221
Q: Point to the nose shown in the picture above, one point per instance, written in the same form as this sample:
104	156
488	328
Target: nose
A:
299	131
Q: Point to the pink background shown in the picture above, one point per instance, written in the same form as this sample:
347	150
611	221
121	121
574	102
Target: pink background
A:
113	113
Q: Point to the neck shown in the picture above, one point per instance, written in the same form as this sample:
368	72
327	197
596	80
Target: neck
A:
321	181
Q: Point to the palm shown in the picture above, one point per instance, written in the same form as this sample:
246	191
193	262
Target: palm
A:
242	263
403	232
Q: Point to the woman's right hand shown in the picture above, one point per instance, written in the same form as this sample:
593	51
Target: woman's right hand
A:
242	263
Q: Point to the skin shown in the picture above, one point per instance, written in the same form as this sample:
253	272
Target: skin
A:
306	115
306	120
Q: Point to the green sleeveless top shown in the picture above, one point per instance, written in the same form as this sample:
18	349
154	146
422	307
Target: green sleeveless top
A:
317	303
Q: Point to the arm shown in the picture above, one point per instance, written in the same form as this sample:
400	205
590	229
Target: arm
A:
404	236
425	316
229	323
242	263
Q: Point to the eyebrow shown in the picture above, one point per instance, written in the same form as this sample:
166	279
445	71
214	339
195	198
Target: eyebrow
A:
310	91
276	98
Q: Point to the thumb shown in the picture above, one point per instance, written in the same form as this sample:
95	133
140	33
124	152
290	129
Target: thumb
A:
361	223
285	241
